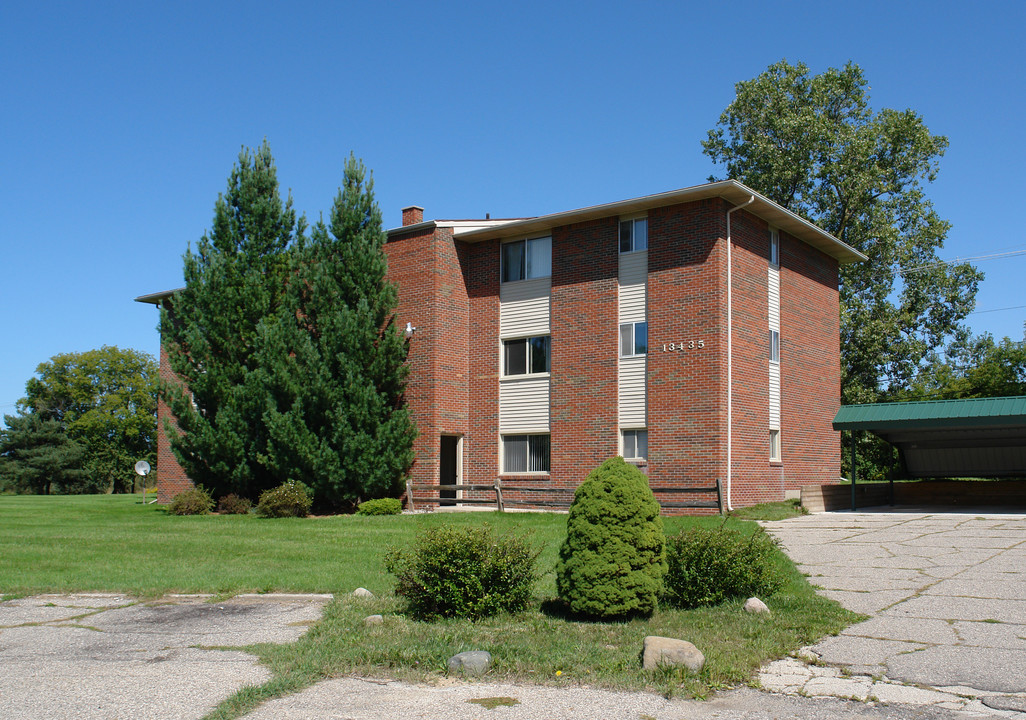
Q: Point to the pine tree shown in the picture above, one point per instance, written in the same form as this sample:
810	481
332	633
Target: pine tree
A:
335	360
37	456
233	281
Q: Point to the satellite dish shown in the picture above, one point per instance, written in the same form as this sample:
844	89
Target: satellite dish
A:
142	467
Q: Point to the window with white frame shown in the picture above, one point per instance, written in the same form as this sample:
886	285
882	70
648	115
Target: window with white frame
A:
635	444
526	356
633	235
774	247
527	259
774	445
633	339
525	453
774	346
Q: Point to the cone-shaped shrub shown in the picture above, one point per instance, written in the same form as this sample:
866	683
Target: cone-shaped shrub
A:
612	562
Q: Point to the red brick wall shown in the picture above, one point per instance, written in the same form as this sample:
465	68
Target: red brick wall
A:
427	269
171	478
686	303
481	443
584	315
810	364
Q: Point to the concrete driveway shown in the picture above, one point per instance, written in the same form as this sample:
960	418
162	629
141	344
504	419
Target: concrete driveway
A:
106	657
946	593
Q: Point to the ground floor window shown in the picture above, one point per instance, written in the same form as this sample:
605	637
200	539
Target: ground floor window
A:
525	453
635	444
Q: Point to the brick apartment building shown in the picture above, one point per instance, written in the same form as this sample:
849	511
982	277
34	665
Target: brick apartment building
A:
540	347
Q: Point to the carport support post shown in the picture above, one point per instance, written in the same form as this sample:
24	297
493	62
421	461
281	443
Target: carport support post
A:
853	472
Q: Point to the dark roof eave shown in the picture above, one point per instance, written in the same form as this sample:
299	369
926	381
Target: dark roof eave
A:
157	297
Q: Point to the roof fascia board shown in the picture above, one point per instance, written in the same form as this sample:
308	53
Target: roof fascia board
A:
729	190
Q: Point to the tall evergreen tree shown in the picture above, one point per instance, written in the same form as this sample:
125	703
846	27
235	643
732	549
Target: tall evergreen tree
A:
334	359
233	281
291	362
37	456
812	144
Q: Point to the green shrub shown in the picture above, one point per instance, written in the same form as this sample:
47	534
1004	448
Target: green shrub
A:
611	564
381	506
707	567
232	504
290	499
463	573
194	501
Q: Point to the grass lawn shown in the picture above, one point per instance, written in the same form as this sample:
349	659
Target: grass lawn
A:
115	544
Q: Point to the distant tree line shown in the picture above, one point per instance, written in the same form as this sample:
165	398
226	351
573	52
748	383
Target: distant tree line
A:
85	421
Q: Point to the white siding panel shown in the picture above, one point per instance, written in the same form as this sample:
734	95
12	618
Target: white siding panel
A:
774	396
632	393
634	268
633	283
524	307
524	405
774	299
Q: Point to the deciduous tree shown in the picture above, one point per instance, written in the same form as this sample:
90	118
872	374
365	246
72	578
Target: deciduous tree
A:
105	400
812	144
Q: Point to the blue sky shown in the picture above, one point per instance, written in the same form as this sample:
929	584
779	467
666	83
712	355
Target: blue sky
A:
121	121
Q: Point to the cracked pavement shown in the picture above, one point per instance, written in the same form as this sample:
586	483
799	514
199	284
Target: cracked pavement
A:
946	593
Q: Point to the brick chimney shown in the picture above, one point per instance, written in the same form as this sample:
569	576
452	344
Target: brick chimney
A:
413	215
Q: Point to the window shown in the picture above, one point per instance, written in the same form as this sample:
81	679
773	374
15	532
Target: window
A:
525	356
774	346
774	445
633	235
774	247
633	339
527	259
525	453
635	444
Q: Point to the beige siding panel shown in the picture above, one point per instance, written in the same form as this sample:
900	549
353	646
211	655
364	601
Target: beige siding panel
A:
633	283
524	307
774	299
774	396
524	405
632	393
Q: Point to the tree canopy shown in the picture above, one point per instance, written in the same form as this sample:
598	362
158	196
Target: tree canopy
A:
812	144
106	401
980	368
291	364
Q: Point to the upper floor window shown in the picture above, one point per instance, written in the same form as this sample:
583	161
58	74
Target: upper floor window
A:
526	356
774	346
633	339
774	247
633	235
527	259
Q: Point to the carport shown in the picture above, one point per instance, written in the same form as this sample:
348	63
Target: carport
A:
978	437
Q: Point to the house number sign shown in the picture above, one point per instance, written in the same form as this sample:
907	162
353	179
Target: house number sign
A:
684	345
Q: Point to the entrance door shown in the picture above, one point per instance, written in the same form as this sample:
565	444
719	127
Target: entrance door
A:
449	468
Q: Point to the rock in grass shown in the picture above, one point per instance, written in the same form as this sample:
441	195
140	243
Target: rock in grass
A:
664	651
373	620
362	593
472	662
756	606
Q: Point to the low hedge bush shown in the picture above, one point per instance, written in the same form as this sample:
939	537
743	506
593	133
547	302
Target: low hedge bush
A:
380	506
463	573
194	501
232	504
290	499
708	567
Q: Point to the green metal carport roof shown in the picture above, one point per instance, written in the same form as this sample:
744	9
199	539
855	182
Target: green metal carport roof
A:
979	437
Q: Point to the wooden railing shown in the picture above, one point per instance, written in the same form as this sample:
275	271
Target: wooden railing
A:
687	497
